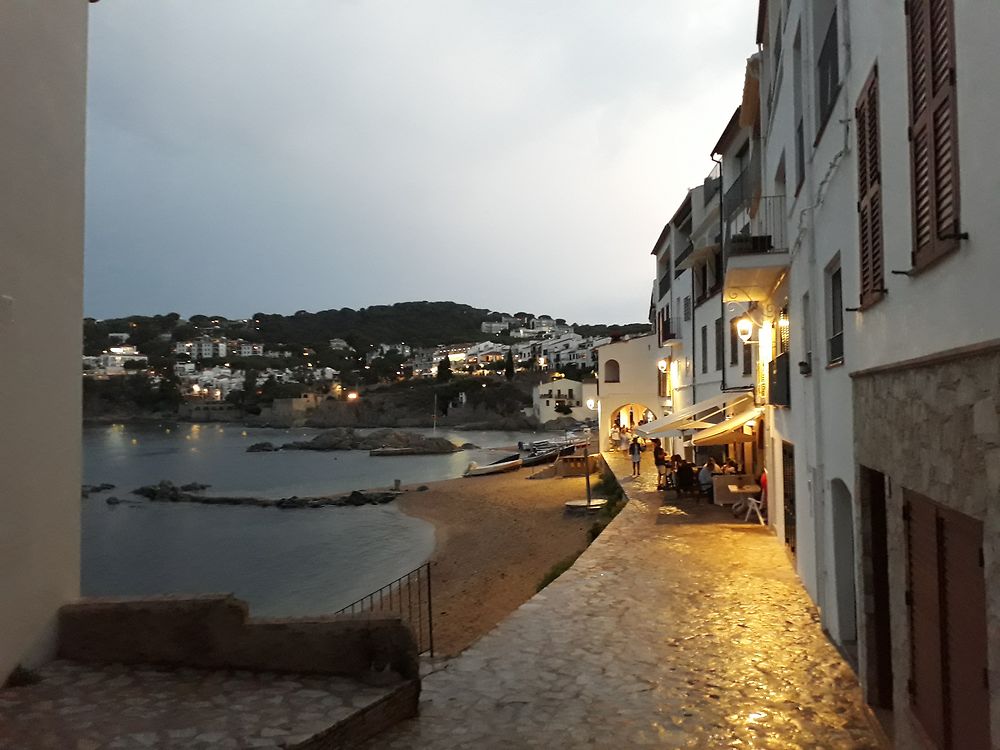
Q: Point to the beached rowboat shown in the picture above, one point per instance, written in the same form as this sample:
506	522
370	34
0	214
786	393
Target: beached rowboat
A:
510	463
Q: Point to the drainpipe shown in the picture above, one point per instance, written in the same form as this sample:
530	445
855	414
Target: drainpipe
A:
722	246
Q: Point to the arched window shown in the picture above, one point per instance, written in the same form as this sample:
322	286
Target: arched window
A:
612	372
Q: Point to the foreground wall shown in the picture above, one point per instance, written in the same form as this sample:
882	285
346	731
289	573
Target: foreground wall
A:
928	449
43	61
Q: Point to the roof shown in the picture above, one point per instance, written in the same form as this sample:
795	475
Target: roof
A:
685	207
661	239
761	20
732	128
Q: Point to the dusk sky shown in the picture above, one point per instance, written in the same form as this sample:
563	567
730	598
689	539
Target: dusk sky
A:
246	155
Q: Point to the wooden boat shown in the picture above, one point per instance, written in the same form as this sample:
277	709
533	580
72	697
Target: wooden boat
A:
542	457
384	451
508	463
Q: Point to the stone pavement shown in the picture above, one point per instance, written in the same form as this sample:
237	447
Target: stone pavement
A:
677	628
86	707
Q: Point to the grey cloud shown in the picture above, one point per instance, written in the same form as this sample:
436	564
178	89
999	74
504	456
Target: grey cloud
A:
314	154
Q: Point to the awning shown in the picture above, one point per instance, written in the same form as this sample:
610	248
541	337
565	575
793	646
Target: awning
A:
730	431
686	419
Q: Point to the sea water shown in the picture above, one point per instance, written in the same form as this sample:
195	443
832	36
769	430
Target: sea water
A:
283	562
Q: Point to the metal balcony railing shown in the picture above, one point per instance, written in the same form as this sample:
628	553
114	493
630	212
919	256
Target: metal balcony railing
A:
669	330
684	254
664	285
767	231
737	195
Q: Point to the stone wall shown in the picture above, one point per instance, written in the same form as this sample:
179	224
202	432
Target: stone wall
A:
931	426
215	632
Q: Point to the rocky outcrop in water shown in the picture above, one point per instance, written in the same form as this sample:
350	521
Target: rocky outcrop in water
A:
346	439
167	492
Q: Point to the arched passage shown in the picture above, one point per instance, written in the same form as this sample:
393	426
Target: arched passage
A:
843	563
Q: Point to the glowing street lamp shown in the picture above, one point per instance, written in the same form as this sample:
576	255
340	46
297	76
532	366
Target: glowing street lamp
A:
661	365
744	329
591	404
352	396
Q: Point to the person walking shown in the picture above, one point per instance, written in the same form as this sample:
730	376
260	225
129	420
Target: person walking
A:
635	453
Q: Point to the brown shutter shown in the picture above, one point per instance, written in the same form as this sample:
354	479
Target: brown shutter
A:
926	668
968	697
933	129
870	193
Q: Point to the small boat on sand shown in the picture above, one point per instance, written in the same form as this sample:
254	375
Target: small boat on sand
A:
507	463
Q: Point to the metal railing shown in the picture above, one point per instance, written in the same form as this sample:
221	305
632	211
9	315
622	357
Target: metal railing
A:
767	230
409	599
684	254
664	286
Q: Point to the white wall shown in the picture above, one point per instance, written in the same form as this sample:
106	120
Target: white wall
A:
43	64
637	382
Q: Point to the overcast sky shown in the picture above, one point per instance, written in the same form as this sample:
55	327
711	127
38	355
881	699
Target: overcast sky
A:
249	155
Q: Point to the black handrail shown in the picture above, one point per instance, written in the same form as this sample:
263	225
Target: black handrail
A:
409	598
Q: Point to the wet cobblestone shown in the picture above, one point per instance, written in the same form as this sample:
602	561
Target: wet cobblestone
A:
678	628
86	707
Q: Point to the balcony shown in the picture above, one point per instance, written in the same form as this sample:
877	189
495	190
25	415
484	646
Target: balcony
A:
684	254
758	256
664	285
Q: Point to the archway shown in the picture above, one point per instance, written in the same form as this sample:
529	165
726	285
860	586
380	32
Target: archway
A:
612	371
843	566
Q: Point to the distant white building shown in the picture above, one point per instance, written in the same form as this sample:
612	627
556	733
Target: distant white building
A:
562	397
339	345
492	326
248	349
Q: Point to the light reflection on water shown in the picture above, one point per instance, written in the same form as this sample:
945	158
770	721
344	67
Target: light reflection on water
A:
283	562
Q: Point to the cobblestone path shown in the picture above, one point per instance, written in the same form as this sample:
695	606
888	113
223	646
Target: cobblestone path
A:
677	628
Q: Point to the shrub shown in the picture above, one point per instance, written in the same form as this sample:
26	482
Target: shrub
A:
557	570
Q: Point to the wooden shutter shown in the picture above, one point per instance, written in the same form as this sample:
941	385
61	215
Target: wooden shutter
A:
870	193
924	599
933	129
964	582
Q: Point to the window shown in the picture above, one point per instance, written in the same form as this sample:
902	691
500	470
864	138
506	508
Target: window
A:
798	122
828	73
834	314
870	194
807	336
734	344
704	348
747	359
930	28
687	309
612	372
720	345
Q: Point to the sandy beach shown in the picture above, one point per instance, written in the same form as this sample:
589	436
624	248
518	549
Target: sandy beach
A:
497	537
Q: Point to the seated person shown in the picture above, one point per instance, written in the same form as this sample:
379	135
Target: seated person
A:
684	475
730	467
705	476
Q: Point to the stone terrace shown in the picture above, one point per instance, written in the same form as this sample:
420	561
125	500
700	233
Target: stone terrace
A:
86	707
676	628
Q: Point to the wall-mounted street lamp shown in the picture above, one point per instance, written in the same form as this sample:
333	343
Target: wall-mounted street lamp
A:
662	365
591	404
744	329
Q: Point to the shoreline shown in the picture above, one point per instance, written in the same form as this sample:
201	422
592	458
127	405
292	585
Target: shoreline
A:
495	538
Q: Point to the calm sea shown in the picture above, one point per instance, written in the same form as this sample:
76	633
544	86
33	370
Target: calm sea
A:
283	562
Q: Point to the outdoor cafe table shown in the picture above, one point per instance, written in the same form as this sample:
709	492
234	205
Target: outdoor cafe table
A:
750	491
